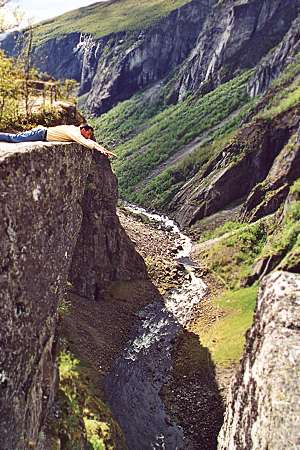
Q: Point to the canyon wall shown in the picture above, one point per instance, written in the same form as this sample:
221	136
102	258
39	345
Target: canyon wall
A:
207	42
263	405
55	200
115	66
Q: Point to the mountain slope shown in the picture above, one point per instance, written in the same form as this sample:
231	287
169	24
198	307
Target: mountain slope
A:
117	49
103	18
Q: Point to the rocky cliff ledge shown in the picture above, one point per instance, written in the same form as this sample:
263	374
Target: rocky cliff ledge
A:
263	405
57	213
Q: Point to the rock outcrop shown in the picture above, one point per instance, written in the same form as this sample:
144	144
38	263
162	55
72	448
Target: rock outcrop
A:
263	405
268	196
236	169
236	35
55	199
274	63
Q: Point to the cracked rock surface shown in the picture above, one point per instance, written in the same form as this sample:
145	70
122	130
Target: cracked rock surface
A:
263	410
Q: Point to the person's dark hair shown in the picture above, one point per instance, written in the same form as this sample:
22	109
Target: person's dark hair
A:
86	126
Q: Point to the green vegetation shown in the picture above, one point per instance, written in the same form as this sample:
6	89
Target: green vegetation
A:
286	89
146	134
295	188
126	119
163	134
284	243
25	98
284	100
104	18
231	258
83	417
64	307
226	337
289	73
227	227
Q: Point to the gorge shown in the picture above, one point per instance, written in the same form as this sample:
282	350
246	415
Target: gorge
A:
200	100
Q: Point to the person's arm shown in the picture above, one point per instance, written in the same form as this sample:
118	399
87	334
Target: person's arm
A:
101	149
89	143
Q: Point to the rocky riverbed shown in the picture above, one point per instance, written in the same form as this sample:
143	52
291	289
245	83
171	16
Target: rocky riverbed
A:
191	389
143	349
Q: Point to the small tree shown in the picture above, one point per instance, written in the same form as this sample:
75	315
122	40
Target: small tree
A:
10	88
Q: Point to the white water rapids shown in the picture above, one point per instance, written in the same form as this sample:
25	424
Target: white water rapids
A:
134	384
181	301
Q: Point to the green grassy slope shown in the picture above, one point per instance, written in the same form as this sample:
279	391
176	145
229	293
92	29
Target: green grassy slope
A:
103	18
230	260
144	132
151	135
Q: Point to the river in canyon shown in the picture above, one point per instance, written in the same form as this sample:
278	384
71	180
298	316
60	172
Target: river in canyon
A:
134	384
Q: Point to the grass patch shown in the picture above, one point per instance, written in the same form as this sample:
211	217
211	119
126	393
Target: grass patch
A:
231	259
286	91
227	227
126	119
101	19
225	339
285	241
283	101
83	417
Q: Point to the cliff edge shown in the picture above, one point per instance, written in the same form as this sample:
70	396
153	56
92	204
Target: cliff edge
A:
58	216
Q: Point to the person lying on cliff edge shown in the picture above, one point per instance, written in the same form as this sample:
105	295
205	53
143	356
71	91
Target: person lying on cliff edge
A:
84	135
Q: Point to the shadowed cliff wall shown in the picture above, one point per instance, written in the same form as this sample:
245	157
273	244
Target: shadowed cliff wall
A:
47	192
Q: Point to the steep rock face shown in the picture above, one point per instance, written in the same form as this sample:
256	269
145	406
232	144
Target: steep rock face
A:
103	252
236	170
263	405
268	196
237	34
143	57
273	64
116	66
42	208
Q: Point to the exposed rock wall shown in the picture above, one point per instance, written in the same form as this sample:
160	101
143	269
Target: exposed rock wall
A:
273	64
145	56
43	188
236	35
264	403
267	197
103	252
237	169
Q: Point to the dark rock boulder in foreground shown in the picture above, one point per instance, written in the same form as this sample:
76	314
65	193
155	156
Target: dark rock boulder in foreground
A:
263	406
45	191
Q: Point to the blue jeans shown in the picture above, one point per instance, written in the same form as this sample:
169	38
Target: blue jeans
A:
36	134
